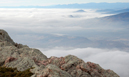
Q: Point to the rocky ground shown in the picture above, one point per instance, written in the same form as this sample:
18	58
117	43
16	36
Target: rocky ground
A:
22	57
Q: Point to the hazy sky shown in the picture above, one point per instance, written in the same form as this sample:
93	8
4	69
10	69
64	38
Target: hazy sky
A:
50	2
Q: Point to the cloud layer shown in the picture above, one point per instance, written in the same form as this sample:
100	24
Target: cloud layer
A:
19	22
46	20
109	59
55	21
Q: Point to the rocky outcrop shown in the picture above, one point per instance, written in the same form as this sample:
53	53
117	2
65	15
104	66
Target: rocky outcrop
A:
22	57
5	37
70	66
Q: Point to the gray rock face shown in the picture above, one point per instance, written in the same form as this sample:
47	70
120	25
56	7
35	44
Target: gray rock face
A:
5	37
22	57
17	55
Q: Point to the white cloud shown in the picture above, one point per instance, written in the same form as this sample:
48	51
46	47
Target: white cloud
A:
45	15
48	20
56	21
113	59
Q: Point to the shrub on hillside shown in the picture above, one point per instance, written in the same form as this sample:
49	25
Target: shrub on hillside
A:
13	72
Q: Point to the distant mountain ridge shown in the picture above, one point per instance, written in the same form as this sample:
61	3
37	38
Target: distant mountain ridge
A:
119	17
52	41
113	11
103	5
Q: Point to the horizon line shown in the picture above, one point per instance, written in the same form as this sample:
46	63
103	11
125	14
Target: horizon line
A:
60	4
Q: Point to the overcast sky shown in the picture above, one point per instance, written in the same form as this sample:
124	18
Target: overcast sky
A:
50	2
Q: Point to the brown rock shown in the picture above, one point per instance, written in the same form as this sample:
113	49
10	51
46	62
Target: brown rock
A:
9	60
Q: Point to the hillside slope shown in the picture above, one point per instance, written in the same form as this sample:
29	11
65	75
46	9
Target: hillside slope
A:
22	57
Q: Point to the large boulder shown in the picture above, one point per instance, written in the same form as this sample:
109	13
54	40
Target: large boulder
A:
17	55
22	57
